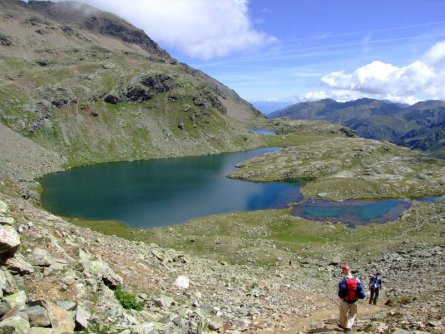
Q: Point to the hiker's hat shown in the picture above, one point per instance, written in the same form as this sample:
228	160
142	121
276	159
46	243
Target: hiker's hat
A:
344	267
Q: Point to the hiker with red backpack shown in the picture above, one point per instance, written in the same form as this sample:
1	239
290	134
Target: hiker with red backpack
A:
375	285
350	290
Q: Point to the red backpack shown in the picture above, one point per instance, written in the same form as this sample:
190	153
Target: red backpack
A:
351	286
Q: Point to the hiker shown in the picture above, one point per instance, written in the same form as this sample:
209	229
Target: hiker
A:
350	290
375	285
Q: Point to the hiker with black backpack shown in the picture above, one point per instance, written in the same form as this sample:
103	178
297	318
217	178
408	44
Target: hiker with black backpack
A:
350	290
375	285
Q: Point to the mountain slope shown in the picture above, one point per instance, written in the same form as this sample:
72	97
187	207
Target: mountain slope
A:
92	87
419	126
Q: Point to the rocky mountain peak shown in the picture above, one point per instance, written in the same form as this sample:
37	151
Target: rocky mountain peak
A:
96	21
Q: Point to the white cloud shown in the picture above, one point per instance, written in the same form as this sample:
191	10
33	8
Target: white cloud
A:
422	79
199	28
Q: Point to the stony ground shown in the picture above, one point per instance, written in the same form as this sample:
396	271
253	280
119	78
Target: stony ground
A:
350	168
62	277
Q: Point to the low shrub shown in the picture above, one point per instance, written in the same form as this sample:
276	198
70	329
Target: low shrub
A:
128	300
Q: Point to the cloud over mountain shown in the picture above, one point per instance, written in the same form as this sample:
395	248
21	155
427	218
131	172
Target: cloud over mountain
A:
422	79
199	28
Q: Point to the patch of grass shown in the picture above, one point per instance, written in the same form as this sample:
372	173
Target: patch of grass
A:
110	227
128	300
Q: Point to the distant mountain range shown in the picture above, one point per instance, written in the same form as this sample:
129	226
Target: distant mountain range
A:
420	126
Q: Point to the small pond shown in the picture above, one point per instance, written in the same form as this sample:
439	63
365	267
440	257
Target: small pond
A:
264	132
431	199
352	213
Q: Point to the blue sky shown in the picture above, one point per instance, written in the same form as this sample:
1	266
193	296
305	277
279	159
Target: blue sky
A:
276	52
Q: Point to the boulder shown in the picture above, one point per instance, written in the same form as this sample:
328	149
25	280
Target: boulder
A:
4	308
17	300
40	257
82	317
67	305
38	316
112	99
5	40
16	324
61	320
18	265
137	94
9	240
159	83
6	220
182	282
7	282
40	330
3	208
100	270
165	301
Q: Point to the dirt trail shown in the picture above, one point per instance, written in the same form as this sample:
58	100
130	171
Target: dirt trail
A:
326	312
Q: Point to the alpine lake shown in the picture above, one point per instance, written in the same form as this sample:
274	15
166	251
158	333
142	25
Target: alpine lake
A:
163	192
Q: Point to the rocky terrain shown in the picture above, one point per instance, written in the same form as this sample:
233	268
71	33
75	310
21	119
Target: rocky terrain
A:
350	168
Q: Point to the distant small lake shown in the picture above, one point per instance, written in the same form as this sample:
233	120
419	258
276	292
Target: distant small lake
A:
357	212
264	132
161	192
431	199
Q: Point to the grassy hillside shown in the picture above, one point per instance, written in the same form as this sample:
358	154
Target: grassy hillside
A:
93	88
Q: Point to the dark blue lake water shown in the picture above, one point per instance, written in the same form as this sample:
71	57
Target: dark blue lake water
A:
161	192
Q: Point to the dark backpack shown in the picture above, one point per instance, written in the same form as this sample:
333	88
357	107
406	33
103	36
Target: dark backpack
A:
374	283
351	287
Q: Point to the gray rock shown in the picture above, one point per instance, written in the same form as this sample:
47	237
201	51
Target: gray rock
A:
4	308
67	305
6	220
101	271
165	301
3	207
17	300
61	320
7	282
38	316
9	240
40	257
18	265
82	317
16	324
41	330
435	323
215	325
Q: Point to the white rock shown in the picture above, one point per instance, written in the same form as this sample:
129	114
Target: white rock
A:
182	282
